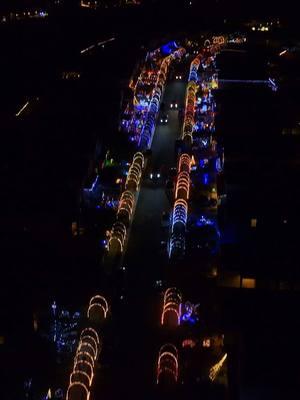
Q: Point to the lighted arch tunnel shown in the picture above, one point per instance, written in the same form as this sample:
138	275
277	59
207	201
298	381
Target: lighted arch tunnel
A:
191	99
191	92
84	356
192	88
82	375
193	77
184	163
188	125
183	186
78	391
98	307
117	237
167	365
148	128
83	366
156	102
207	43
162	76
90	332
119	229
189	115
171	307
133	177
135	172
125	207
179	218
87	348
157	91
189	119
159	87
190	108
139	159
188	135
180	210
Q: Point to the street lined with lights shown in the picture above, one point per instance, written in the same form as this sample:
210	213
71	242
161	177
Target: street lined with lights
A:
133	240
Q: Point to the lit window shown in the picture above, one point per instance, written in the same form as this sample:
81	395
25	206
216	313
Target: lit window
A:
248	283
284	285
74	229
253	222
188	343
206	343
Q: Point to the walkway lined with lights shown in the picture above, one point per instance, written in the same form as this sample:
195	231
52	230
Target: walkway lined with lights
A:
139	253
143	260
199	149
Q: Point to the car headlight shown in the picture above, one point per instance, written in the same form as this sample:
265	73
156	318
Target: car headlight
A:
158	175
171	105
161	120
151	176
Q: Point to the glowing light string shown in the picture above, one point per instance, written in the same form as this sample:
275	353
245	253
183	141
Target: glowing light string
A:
99	302
213	372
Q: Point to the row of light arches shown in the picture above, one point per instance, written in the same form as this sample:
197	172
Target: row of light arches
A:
180	209
87	353
119	229
148	128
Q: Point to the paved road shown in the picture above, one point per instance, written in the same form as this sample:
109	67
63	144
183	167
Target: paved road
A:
144	248
144	261
165	135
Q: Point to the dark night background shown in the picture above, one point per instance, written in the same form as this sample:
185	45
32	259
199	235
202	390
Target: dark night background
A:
46	159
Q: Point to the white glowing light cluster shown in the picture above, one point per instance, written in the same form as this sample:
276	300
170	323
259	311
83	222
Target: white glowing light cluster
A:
177	244
172	305
192	88
148	128
215	369
82	375
98	304
167	364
